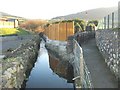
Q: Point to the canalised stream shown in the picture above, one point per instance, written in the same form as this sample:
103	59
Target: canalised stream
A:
50	72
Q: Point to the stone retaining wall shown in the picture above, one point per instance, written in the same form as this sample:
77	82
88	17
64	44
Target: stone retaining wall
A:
107	42
82	37
71	52
16	66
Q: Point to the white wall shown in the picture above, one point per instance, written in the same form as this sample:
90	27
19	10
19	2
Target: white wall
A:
8	24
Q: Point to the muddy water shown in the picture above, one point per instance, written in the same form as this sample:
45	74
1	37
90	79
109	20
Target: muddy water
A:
49	72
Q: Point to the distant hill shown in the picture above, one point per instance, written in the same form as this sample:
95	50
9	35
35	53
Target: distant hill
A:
92	14
6	15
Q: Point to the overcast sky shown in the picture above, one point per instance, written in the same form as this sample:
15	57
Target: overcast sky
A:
46	9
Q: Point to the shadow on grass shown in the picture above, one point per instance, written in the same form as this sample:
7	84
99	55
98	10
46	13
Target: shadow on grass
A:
22	32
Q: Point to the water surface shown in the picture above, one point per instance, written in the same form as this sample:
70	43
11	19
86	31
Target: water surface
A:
42	76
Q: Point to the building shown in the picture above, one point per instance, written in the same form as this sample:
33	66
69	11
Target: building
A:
6	22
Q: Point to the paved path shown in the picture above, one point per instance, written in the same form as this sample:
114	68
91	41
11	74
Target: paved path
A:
12	42
100	73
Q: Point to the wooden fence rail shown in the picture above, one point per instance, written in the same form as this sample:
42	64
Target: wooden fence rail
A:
60	31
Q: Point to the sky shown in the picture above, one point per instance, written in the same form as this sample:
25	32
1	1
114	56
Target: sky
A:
47	9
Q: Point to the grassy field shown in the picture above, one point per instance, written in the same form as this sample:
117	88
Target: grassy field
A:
10	31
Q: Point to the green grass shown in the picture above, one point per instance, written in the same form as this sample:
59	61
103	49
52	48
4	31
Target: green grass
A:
11	31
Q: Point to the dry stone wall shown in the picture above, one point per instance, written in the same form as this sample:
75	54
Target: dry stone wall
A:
107	42
83	37
16	66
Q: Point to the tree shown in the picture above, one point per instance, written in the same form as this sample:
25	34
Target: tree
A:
95	22
77	27
82	23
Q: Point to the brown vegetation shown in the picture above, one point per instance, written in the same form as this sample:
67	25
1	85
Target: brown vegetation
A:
33	25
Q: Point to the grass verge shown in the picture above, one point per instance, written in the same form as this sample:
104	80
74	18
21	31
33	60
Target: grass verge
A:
12	31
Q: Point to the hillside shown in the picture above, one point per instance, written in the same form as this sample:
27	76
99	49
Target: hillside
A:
92	14
6	15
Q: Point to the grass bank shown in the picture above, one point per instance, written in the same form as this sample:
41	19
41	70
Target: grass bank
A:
12	31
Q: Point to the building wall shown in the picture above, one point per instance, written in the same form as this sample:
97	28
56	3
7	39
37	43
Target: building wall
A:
9	24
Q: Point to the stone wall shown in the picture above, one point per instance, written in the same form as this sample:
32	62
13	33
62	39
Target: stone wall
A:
82	37
16	66
71	52
107	42
119	14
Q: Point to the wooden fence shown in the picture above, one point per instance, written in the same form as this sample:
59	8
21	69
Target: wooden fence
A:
60	31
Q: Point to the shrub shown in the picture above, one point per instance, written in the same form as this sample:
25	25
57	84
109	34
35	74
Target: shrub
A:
92	22
33	25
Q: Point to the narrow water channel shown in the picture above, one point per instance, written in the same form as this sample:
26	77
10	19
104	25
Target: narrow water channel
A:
43	73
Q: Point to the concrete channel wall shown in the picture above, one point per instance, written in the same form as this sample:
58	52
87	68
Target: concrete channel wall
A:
108	44
80	65
71	51
82	75
16	66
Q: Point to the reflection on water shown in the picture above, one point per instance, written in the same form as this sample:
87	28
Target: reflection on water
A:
63	69
44	74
